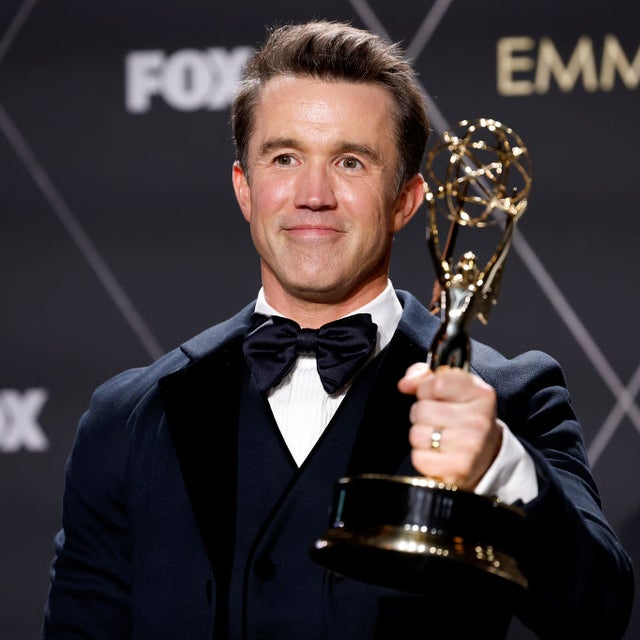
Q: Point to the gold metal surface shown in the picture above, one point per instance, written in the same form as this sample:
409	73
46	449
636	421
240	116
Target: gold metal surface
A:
422	542
481	177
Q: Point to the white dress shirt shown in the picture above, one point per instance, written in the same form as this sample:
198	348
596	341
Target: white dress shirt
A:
303	409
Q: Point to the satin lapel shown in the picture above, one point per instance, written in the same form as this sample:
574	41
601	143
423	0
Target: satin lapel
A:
382	443
201	403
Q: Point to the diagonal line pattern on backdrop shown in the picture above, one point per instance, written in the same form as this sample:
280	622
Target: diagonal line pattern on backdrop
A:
625	399
623	406
624	395
427	28
14	28
425	31
57	203
78	235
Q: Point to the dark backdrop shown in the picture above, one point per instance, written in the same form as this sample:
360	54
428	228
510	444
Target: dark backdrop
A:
120	237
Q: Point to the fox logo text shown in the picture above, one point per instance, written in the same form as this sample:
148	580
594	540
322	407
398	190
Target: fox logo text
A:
19	428
186	80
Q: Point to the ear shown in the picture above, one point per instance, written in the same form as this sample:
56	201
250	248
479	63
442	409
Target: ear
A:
242	190
408	201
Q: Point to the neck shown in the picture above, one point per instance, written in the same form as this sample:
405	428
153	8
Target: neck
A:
313	312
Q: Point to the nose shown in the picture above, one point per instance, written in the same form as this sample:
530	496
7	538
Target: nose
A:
314	189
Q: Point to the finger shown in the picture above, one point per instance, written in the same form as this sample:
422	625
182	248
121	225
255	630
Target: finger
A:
443	414
425	437
455	385
444	461
432	464
456	454
468	439
413	376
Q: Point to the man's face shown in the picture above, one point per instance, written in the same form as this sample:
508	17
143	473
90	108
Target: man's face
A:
320	190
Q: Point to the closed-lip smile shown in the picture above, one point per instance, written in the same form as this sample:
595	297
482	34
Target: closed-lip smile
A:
312	229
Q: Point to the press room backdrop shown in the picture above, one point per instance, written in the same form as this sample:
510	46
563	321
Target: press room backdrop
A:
120	236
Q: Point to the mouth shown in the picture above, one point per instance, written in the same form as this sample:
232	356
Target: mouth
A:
312	230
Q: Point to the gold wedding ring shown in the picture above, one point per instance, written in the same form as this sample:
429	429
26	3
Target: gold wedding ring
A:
436	438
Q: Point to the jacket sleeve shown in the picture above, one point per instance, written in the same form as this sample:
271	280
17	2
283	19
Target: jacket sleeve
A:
580	577
90	591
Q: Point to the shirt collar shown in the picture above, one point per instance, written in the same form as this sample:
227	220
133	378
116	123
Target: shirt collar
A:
385	310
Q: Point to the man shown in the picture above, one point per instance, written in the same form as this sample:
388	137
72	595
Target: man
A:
197	485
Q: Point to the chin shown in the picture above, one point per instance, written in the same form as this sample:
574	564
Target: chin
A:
317	292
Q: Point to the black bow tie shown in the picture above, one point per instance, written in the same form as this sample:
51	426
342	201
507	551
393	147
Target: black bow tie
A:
340	347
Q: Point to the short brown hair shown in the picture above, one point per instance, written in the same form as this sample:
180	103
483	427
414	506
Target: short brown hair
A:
336	51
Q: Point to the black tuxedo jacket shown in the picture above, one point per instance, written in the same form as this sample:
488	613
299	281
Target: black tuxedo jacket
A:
185	517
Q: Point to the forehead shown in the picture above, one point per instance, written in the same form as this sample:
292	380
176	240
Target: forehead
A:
324	108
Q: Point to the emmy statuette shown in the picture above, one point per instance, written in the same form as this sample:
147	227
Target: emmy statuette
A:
410	532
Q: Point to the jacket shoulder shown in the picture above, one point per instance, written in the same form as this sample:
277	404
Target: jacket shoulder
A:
124	390
517	373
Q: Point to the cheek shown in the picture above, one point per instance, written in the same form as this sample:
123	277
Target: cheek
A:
268	205
372	211
269	195
363	198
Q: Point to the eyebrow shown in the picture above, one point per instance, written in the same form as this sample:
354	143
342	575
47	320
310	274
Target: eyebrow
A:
345	147
361	150
277	143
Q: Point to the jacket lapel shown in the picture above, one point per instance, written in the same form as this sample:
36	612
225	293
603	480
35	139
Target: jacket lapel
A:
201	403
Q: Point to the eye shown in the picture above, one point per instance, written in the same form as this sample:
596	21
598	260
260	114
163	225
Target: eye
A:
349	162
284	160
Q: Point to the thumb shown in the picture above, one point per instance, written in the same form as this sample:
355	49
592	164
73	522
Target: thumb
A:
413	375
